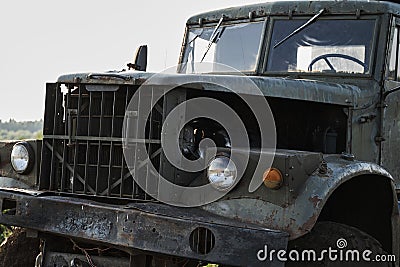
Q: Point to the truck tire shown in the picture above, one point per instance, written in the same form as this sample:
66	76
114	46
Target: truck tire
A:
339	237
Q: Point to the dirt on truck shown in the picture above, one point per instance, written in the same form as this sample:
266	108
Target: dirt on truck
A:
273	142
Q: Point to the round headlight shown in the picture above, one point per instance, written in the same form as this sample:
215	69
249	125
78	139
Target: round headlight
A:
22	158
222	173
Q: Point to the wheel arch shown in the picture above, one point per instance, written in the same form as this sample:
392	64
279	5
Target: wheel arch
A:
367	202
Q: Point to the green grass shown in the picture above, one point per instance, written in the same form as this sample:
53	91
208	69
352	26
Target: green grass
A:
4	233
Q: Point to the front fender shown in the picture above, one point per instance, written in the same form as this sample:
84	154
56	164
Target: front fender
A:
299	217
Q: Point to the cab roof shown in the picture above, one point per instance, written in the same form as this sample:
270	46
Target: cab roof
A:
298	8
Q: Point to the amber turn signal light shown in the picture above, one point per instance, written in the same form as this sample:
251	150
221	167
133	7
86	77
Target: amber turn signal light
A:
273	178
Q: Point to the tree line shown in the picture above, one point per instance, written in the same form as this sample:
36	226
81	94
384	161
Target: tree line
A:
17	130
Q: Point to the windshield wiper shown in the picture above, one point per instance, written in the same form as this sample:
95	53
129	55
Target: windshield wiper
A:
213	38
197	36
305	25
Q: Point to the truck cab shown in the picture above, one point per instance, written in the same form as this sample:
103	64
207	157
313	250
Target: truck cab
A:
277	131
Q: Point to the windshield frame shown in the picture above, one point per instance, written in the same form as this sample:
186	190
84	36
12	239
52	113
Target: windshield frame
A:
261	47
372	56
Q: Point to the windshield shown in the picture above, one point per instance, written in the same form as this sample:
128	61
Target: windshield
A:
234	45
327	45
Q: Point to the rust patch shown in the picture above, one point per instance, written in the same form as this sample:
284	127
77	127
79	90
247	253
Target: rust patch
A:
127	236
315	200
271	216
93	226
309	224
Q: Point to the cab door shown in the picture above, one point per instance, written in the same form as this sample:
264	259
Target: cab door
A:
390	150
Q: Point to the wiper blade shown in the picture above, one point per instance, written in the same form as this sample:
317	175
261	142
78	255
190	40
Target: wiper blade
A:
305	25
213	37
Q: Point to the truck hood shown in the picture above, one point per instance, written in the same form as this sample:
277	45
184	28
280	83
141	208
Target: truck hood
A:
300	89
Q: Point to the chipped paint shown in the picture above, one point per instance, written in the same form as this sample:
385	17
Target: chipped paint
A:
88	226
315	200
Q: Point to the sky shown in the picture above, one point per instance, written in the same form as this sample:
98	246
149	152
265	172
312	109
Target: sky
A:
41	40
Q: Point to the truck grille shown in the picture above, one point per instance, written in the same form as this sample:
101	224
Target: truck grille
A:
82	145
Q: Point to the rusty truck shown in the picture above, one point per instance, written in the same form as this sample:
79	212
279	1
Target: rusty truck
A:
330	74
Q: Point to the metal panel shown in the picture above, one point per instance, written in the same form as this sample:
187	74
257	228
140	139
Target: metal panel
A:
8	177
150	226
391	135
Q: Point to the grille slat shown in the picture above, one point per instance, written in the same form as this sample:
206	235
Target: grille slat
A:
83	151
98	169
74	184
57	105
85	186
110	161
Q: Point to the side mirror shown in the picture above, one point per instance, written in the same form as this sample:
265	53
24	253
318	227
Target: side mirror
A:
140	59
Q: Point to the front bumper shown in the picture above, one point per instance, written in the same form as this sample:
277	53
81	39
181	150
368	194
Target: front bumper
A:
152	227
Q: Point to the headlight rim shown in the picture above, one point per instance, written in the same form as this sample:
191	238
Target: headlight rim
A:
31	158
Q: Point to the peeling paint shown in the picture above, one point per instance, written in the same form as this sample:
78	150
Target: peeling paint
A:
315	200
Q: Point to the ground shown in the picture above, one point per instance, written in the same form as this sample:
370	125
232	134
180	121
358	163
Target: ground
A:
19	250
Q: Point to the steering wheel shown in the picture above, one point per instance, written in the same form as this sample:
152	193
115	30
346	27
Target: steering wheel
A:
326	56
